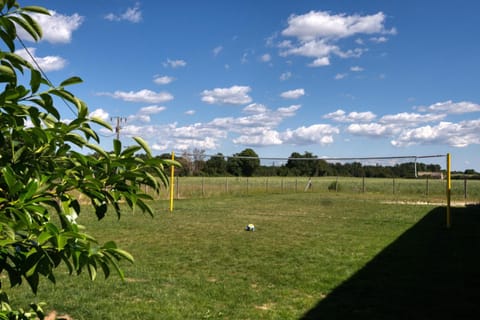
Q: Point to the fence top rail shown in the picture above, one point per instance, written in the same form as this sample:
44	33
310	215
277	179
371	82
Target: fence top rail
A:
332	158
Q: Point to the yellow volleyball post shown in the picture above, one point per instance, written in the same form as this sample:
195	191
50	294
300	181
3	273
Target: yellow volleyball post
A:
449	189
172	182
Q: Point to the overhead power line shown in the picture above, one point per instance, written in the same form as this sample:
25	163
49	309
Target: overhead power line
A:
42	72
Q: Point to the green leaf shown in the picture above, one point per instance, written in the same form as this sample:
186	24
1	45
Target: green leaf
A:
7	72
9	177
35	80
105	268
33	281
26	26
17	154
33	23
31	189
36	9
90	133
44	237
46	102
67	96
17	61
9	28
101	122
76	139
7	40
61	241
75	205
101	210
123	255
70	81
110	245
117	147
92	271
144	145
82	109
129	151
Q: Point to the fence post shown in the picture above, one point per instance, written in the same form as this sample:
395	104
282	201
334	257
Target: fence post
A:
172	182
393	187
465	187
427	187
178	187
449	189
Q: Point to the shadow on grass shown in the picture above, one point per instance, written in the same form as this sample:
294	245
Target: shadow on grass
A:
429	272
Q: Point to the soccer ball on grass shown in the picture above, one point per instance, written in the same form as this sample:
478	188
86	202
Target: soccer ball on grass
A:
250	227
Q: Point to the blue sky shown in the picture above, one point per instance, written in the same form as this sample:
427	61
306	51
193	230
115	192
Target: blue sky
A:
334	78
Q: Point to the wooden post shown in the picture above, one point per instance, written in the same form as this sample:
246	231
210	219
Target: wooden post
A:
449	190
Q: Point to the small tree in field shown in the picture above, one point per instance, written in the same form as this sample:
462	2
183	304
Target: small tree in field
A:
39	169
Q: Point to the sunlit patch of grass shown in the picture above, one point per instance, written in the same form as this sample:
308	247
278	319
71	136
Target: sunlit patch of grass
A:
198	262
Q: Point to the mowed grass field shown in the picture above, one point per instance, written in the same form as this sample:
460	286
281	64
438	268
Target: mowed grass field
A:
313	255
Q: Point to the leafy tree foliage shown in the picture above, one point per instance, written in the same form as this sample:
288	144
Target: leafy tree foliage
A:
42	160
244	163
302	164
216	166
234	166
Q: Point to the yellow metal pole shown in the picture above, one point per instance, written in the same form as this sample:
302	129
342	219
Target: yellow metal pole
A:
449	189
172	182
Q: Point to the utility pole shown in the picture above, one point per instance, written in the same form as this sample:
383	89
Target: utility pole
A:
119	120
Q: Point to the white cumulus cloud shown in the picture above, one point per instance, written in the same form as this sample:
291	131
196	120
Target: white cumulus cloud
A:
293	94
266	57
133	14
152	109
406	118
99	113
163	79
47	63
318	32
216	51
175	63
56	28
144	95
285	76
458	135
451	107
263	138
368	129
321	134
235	95
341	116
356	69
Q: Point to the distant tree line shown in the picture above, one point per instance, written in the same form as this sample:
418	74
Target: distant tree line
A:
247	164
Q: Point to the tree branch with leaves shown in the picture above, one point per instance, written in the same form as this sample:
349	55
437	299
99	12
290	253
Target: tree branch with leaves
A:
43	159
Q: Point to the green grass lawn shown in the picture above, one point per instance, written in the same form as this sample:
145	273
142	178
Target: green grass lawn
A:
199	263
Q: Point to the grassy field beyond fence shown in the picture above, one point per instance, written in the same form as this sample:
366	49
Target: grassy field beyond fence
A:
312	256
391	189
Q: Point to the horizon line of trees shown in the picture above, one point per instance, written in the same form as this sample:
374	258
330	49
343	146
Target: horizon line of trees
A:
248	164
